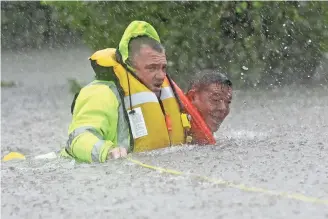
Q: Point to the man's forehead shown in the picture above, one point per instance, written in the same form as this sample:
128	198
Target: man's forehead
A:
149	54
218	88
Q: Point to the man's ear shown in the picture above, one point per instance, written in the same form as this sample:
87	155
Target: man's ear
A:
191	95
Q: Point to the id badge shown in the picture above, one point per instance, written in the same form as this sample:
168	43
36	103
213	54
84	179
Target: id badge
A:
137	123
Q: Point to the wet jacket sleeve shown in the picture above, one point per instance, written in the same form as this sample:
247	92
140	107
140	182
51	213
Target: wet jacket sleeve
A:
93	130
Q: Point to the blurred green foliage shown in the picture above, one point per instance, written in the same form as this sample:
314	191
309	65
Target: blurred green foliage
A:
30	24
74	85
255	43
8	84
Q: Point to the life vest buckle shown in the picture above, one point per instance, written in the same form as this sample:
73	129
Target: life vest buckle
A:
188	139
185	121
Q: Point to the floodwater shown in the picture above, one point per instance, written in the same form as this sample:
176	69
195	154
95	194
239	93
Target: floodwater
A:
275	140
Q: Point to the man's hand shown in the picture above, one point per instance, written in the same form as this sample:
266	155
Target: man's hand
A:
117	153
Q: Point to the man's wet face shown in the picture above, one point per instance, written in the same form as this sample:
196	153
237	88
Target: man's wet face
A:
150	67
213	103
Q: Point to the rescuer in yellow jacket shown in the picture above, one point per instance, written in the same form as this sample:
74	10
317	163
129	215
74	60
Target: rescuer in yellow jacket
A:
132	106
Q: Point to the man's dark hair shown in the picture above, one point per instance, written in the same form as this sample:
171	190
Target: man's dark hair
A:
207	77
138	42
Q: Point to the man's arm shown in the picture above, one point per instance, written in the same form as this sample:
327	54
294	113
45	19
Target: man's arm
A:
93	130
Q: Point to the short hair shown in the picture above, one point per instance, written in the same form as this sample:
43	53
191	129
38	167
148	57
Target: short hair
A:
207	77
137	43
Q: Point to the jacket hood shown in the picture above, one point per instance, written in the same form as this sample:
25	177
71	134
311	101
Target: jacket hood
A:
111	57
135	29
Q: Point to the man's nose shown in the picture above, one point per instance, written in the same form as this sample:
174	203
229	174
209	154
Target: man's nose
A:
221	106
161	75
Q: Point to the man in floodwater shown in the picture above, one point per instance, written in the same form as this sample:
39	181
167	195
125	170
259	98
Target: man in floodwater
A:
131	107
211	93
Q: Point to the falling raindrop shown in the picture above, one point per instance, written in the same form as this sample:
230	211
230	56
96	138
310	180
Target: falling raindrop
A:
245	68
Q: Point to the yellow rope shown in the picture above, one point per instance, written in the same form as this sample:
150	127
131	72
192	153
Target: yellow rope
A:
299	197
241	187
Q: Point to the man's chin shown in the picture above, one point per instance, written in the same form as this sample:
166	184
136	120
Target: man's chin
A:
214	127
157	90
